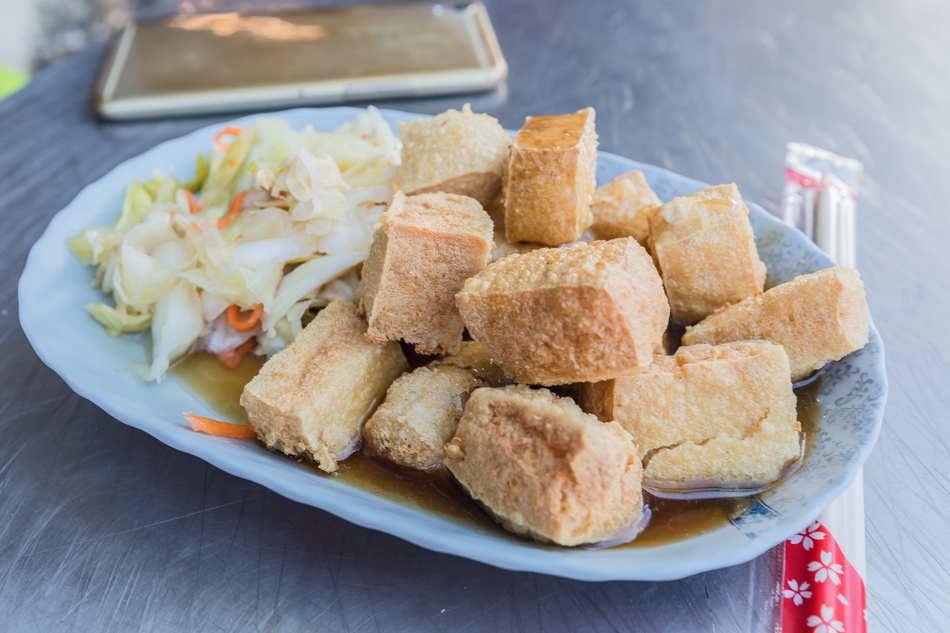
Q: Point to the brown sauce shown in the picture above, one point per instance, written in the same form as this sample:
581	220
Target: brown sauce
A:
671	521
220	387
547	132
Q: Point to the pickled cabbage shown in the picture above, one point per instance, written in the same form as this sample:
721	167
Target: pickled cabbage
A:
282	219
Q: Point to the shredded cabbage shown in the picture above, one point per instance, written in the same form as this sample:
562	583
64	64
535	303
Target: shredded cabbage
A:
201	172
292	244
162	187
118	320
305	280
136	206
176	325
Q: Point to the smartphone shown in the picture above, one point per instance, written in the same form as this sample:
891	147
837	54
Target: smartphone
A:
222	62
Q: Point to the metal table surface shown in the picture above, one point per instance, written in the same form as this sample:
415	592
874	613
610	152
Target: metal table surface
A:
104	528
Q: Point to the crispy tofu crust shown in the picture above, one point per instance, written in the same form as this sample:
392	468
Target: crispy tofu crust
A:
559	315
453	152
473	356
549	179
818	318
420	414
623	208
705	251
757	459
723	413
311	398
504	248
423	250
544	468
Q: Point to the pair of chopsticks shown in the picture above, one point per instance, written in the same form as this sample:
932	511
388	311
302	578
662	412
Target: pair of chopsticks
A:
835	233
822	585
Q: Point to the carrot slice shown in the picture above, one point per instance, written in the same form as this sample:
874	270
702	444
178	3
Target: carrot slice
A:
234	211
244	325
232	358
192	203
219	428
228	131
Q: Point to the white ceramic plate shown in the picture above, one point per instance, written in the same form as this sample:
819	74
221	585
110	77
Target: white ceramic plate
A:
54	287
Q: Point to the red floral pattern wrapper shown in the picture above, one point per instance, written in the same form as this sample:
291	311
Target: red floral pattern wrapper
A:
821	592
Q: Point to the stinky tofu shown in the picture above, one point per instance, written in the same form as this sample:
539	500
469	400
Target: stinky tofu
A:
473	356
453	152
311	398
705	251
423	250
549	180
623	208
419	415
559	315
544	468
754	460
503	247
818	318
724	413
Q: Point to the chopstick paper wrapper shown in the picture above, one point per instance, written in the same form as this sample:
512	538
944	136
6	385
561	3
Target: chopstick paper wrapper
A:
824	566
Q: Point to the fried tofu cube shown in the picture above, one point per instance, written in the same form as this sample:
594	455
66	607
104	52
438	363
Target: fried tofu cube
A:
503	247
544	468
550	179
623	208
311	398
705	251
453	152
423	250
753	461
554	316
474	357
818	318
420	414
707	415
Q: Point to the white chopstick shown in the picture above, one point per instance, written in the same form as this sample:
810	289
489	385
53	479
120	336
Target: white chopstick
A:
835	233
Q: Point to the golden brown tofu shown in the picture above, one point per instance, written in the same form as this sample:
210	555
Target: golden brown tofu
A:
705	251
423	250
311	398
453	152
544	468
420	414
723	462
559	315
623	208
721	414
549	180
503	247
474	357
817	318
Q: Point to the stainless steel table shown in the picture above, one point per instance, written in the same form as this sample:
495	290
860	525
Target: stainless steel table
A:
104	528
